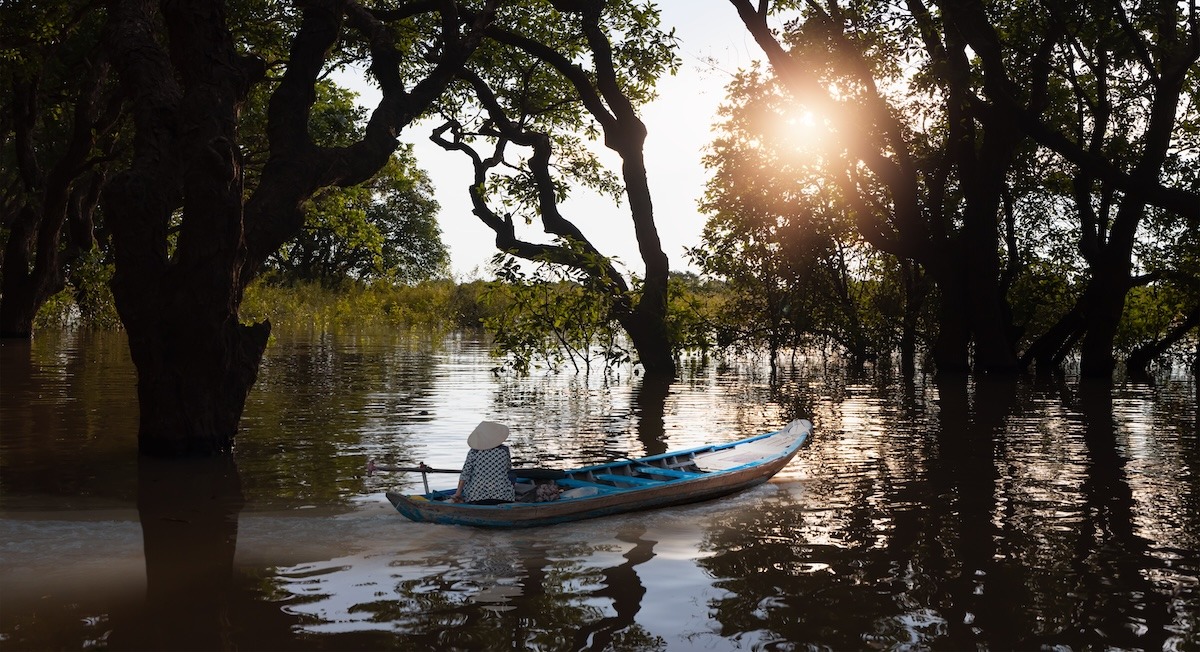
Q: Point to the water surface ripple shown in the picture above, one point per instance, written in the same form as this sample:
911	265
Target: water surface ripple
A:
935	514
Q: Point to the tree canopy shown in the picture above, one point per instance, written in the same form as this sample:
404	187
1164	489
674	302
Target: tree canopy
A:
238	155
1012	153
521	113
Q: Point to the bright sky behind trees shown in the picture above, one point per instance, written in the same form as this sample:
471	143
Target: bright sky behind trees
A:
713	46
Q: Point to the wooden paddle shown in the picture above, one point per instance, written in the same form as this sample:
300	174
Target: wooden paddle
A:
532	474
372	467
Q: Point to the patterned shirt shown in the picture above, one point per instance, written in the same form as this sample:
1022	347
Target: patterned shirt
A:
485	475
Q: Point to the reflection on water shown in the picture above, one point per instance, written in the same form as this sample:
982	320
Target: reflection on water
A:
480	591
962	513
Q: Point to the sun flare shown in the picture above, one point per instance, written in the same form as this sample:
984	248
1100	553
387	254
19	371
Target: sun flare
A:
800	132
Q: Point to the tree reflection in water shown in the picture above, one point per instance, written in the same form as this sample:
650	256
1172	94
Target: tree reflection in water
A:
955	534
621	585
477	591
189	516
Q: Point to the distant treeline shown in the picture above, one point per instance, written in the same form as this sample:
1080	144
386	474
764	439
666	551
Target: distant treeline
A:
536	319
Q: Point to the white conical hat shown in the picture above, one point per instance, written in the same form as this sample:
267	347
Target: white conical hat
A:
488	434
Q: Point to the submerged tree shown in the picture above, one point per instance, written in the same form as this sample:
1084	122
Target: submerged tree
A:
780	233
207	196
1011	93
1128	74
517	115
188	233
207	193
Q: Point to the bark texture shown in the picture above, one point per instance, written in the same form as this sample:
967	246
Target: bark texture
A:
195	361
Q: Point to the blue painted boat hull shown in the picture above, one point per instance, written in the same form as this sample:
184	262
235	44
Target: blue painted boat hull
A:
652	482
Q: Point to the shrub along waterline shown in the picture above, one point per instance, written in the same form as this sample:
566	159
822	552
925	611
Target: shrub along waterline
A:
434	305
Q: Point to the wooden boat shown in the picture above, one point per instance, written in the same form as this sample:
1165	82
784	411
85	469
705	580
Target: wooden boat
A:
672	478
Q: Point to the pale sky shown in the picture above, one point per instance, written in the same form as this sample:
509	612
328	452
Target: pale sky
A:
679	124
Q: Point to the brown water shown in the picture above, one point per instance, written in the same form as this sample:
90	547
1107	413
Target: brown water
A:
953	515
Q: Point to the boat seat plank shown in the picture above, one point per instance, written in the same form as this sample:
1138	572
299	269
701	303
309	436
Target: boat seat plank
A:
573	483
673	473
628	479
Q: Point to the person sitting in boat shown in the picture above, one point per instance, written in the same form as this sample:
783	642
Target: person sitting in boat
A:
484	479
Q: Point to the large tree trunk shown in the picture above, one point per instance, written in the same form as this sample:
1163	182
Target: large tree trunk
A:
647	331
972	329
952	345
195	362
1110	283
994	352
1105	299
193	379
652	338
982	145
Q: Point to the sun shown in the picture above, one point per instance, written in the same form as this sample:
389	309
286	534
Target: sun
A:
800	132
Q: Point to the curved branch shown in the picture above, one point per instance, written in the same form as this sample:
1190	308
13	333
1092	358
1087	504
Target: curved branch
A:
297	168
586	257
576	75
